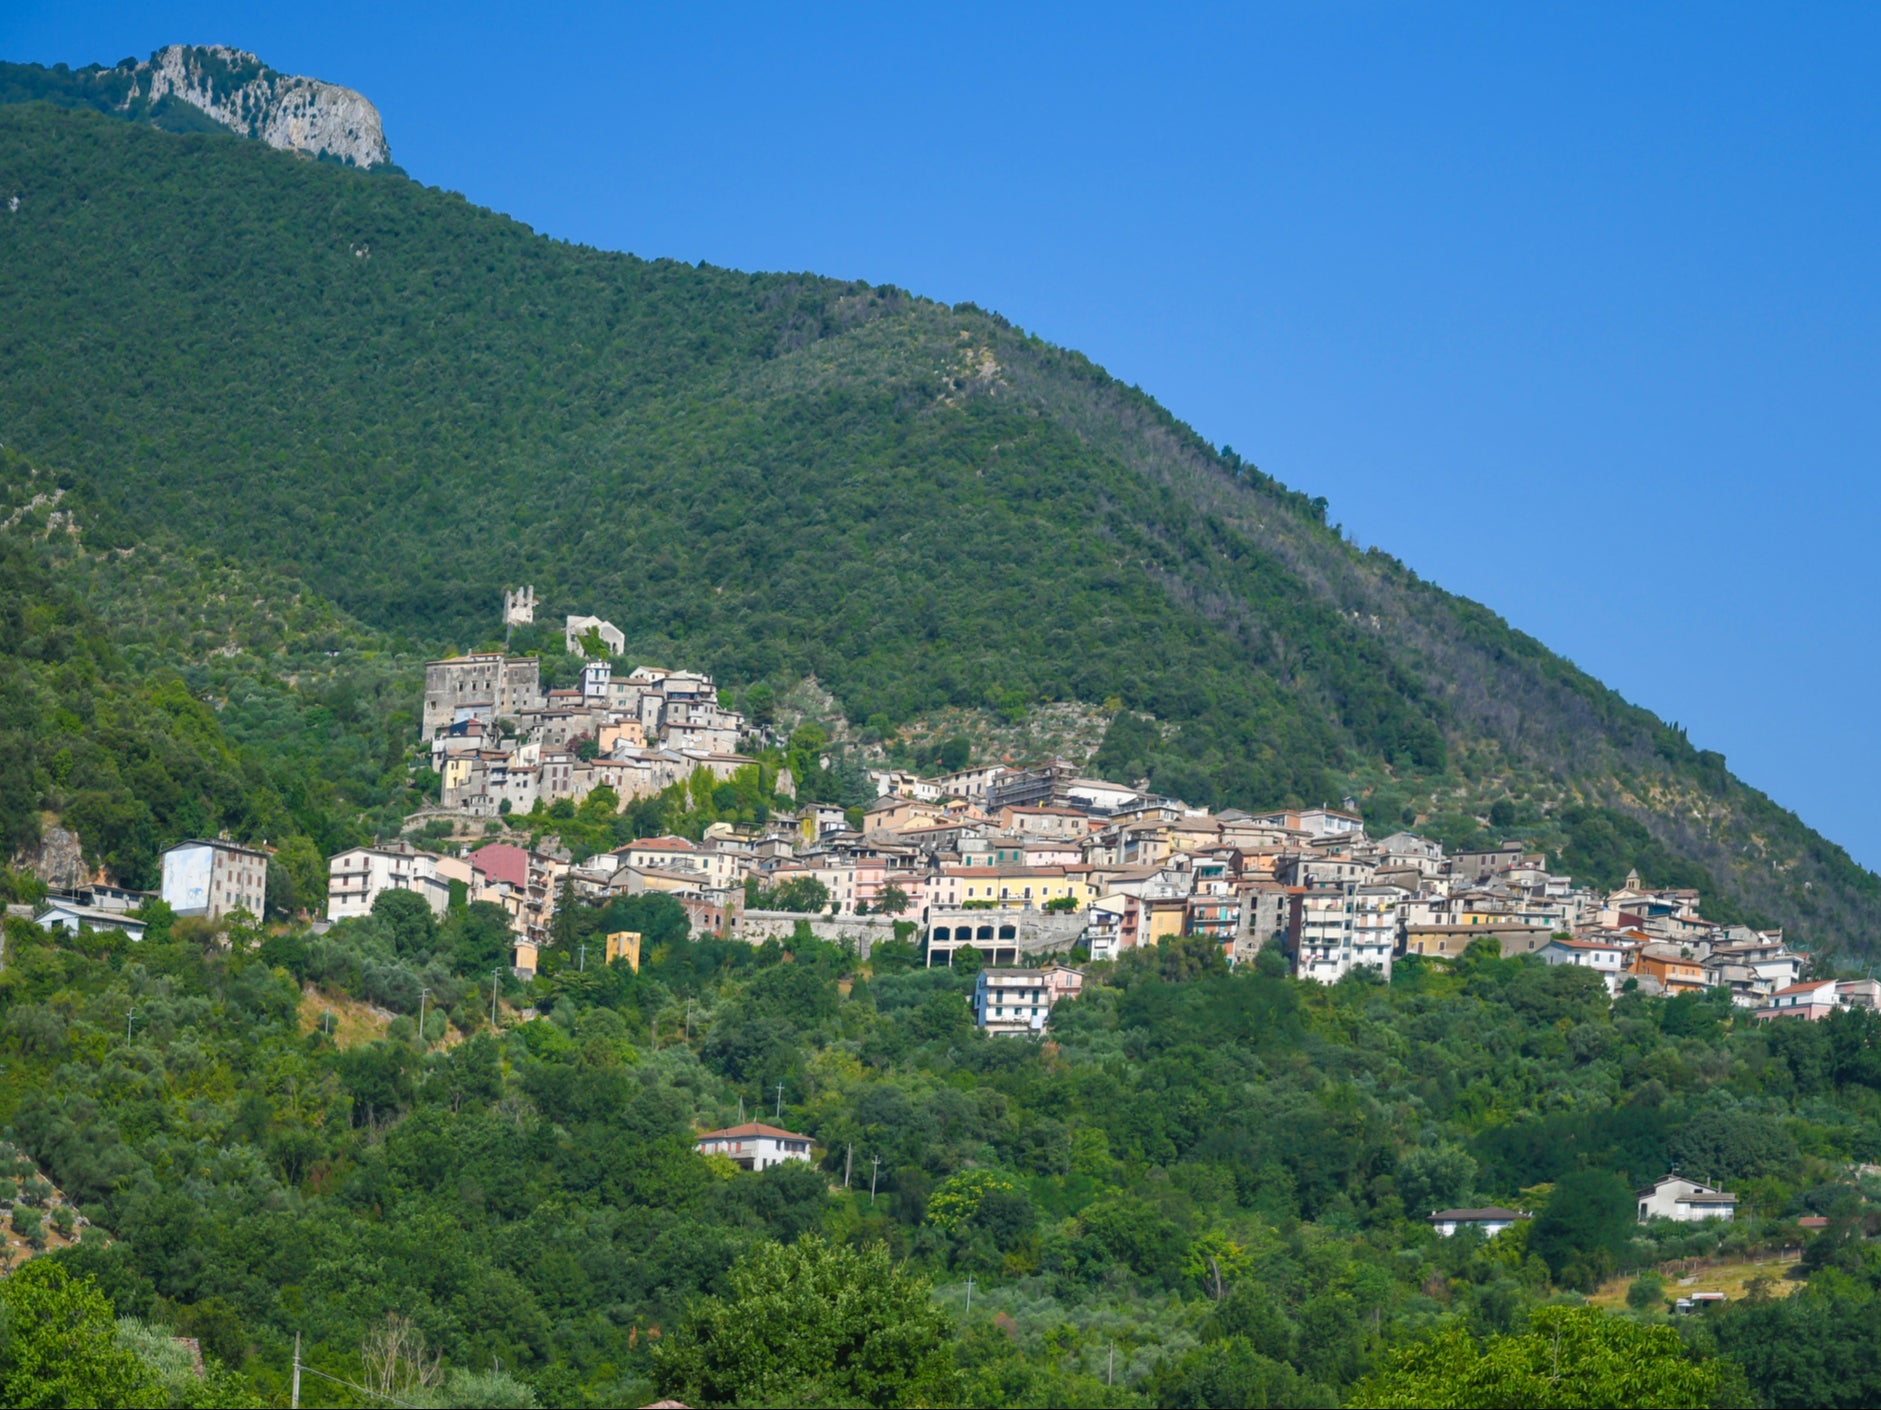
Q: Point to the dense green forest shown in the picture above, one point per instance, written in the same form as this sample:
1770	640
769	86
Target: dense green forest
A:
150	695
382	403
1206	1189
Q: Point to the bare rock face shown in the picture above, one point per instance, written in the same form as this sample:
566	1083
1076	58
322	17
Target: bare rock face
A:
288	112
58	860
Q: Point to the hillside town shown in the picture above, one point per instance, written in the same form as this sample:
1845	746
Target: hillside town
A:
1028	866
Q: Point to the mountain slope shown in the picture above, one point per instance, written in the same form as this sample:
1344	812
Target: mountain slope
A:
209	88
411	403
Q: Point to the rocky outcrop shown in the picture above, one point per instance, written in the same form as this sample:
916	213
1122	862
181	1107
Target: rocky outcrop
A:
236	89
58	860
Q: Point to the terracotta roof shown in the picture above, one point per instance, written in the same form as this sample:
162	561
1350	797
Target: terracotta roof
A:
756	1128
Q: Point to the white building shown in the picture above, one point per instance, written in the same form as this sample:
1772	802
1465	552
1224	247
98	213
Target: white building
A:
72	917
1607	958
1337	929
213	879
1676	1197
356	877
574	628
1099	796
1492	1220
1103	927
1331	822
755	1146
1020	1000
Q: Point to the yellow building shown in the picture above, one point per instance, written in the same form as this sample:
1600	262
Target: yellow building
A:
1014	886
624	945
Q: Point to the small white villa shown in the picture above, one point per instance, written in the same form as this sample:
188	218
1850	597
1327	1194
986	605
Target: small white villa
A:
1676	1197
755	1146
1492	1220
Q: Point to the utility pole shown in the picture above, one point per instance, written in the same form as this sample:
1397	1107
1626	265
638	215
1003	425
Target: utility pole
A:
129	1014
969	1294
875	1168
1110	1368
423	994
849	1157
294	1399
493	974
581	966
779	1116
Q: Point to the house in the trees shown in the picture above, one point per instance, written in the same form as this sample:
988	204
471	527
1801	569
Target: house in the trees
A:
214	879
1492	1220
755	1146
70	916
1686	1200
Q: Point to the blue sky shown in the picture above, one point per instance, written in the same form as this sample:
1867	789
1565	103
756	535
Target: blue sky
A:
1574	309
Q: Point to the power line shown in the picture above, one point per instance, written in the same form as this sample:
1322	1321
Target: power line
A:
363	1390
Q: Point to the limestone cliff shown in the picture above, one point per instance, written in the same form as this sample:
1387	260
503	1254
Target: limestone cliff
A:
243	94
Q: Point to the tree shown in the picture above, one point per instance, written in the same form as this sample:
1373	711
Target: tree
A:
804	895
891	900
1647	1293
1181	957
1230	1373
58	1343
1807	1350
761	705
479	938
812	1323
1584	1228
1570	1356
956	1202
407	917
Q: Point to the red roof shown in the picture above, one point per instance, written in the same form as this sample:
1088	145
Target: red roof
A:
502	862
662	844
756	1128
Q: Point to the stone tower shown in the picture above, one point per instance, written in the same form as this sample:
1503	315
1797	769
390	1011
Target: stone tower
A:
519	607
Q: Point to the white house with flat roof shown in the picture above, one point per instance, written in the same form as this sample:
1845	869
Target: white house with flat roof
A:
1492	1220
1020	1000
755	1146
